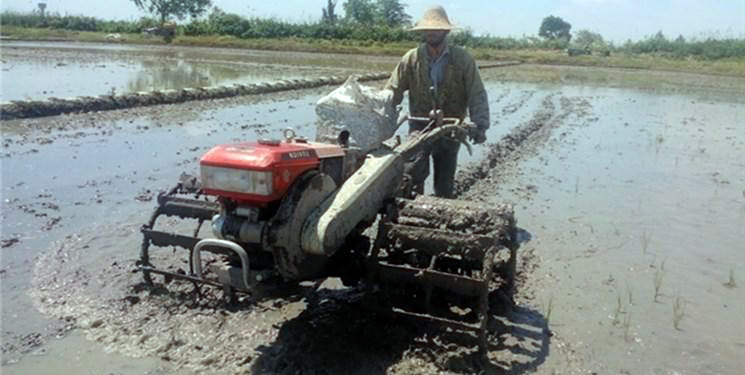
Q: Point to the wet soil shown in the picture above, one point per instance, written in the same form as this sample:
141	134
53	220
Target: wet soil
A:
614	186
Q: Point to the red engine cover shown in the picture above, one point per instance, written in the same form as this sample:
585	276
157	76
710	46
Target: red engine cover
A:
286	161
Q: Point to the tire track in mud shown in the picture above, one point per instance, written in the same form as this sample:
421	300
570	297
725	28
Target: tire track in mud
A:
305	330
111	305
299	330
514	107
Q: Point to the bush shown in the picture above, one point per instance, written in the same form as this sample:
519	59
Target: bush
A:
229	24
8	18
197	27
710	49
77	23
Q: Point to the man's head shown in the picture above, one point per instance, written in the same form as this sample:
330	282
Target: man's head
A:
435	38
434	25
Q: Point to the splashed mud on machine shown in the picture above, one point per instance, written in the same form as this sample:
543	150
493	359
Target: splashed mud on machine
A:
295	210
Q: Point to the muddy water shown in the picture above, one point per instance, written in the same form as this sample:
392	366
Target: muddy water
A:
65	70
71	176
614	183
636	207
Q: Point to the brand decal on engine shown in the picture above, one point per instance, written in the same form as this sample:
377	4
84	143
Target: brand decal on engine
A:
303	154
240	149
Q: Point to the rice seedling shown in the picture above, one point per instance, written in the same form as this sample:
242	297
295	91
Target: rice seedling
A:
731	282
645	241
619	310
630	294
658	140
626	326
678	312
659	274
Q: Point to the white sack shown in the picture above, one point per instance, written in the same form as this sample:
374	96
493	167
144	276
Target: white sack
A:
366	113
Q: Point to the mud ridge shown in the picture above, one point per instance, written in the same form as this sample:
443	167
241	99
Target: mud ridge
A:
56	106
523	140
505	148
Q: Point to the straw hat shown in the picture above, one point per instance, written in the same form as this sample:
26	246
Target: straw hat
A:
434	18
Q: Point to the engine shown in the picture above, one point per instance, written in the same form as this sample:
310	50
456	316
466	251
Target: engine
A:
250	179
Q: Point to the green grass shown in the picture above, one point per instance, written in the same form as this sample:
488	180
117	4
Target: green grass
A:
731	283
729	67
549	310
298	45
659	275
44	34
627	327
678	312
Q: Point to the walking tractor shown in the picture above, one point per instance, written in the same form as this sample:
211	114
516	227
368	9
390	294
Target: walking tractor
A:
295	210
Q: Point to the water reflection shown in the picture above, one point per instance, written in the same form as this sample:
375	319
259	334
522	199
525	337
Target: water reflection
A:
66	72
158	76
163	75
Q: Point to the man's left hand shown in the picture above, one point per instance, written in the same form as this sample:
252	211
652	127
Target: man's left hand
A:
477	136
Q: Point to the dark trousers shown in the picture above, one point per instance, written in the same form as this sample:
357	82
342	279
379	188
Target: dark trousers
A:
444	154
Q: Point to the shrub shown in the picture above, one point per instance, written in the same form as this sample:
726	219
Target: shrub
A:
349	33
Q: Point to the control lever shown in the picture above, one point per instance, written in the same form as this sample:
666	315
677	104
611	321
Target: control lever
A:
436	114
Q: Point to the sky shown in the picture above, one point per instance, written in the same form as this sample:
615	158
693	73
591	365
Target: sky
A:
616	20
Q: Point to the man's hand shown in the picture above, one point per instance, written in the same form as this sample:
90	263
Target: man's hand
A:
477	136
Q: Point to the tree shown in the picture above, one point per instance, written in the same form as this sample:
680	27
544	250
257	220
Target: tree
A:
587	38
555	28
361	11
391	12
227	23
329	15
165	9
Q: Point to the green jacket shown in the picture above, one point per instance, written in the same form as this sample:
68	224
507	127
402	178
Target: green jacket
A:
461	89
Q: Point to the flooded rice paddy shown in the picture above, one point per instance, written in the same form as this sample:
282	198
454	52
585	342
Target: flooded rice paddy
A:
33	71
629	186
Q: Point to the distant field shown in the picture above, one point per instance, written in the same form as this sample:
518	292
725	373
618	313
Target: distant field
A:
726	66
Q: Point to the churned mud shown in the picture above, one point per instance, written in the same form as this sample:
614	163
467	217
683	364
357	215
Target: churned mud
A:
630	199
308	328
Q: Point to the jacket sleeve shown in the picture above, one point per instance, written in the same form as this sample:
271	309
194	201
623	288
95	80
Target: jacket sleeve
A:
399	81
478	102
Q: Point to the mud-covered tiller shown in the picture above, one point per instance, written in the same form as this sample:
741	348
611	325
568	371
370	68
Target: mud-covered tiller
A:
300	210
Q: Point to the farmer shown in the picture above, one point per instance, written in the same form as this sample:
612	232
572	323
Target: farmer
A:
451	74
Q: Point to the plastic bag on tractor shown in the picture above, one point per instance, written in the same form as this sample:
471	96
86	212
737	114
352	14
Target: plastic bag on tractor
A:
366	113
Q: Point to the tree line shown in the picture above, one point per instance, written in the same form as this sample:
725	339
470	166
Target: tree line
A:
366	21
366	12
